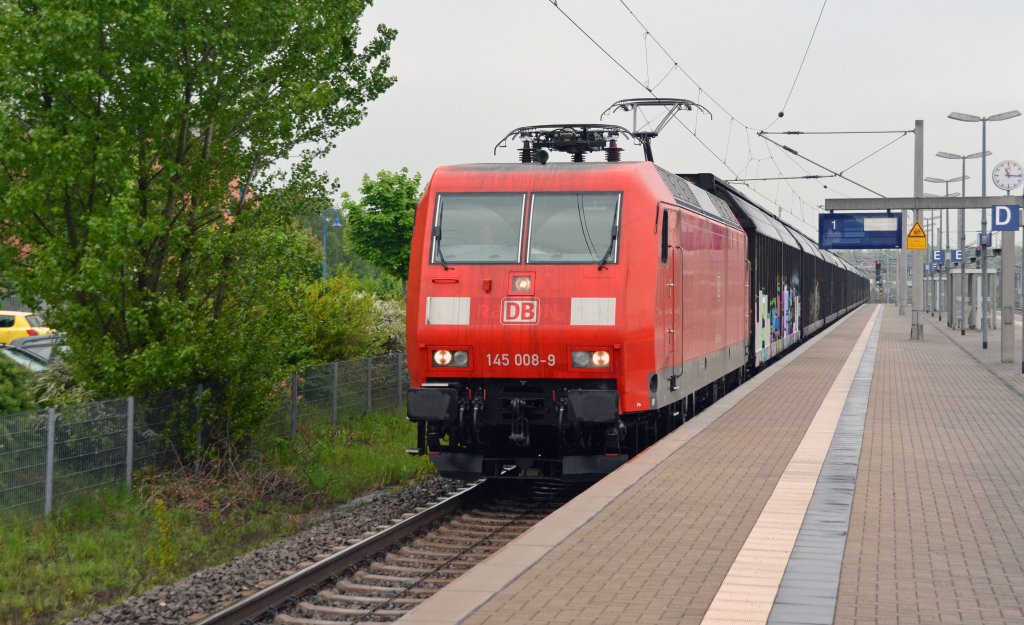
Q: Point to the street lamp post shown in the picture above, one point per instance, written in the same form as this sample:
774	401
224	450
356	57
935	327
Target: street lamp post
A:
946	252
962	229
964	117
336	224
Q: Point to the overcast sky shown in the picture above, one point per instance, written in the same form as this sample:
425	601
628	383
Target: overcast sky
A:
471	70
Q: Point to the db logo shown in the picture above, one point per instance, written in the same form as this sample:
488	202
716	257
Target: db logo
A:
519	311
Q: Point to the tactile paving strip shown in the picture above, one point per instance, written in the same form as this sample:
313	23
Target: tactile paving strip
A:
807	595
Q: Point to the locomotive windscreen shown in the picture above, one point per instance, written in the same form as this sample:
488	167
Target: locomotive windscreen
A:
573	228
478	228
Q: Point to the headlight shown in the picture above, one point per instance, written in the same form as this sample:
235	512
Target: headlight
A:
591	360
457	358
522	284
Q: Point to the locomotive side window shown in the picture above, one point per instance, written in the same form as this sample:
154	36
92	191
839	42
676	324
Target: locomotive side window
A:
664	237
477	228
574	228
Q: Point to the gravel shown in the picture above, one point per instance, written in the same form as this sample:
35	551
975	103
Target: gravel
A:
207	591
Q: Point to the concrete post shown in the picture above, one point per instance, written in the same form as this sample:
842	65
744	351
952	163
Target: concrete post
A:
946	264
1007	341
984	246
917	257
51	436
962	227
939	295
129	458
901	268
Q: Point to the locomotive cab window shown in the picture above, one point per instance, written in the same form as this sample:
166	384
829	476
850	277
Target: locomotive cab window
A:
574	228
477	228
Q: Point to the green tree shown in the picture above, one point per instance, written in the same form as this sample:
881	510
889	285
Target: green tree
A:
380	224
138	189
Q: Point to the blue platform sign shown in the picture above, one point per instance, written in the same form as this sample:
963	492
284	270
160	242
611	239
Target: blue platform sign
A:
860	231
1006	217
939	256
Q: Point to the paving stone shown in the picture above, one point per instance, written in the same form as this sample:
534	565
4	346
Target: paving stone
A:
940	483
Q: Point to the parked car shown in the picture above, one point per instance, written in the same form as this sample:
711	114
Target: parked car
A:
30	360
16	324
47	347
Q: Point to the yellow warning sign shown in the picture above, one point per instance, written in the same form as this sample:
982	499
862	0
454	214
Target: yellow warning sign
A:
916	239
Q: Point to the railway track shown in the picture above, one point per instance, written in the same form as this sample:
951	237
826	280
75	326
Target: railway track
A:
385	575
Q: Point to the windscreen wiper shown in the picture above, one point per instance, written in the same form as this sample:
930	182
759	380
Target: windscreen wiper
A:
440	254
608	252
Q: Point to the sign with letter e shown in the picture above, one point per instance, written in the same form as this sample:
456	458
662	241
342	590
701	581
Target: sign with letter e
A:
1006	217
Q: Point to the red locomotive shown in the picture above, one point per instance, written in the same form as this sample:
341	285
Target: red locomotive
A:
561	317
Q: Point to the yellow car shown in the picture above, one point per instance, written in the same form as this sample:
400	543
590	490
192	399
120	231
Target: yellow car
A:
16	324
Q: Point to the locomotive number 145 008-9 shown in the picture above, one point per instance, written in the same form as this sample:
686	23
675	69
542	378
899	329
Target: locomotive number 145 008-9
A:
520	360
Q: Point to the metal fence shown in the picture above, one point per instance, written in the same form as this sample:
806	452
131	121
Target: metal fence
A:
47	456
12	302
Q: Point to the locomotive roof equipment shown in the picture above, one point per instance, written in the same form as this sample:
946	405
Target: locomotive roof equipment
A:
574	139
672	107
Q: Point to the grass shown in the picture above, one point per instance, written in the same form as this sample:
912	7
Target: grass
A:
108	545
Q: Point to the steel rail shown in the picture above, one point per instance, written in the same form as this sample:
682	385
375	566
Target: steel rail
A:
264	604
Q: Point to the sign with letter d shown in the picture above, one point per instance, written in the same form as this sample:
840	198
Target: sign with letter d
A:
1006	217
519	310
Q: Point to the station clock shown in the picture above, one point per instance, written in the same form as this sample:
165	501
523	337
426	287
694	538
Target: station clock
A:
1008	175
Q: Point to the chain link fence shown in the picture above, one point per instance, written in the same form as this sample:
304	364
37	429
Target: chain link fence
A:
49	455
10	302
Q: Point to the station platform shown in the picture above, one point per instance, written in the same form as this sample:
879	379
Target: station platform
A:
865	478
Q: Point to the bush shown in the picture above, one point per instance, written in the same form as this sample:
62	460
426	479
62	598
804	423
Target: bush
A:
342	320
14	388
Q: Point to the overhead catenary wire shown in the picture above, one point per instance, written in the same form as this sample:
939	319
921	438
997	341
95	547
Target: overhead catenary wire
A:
702	91
816	164
808	177
708	97
801	67
835	132
648	88
877	151
554	3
